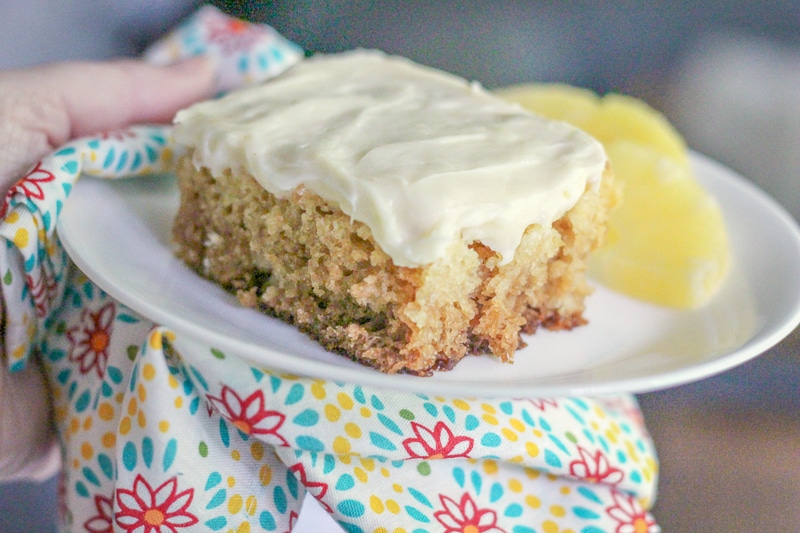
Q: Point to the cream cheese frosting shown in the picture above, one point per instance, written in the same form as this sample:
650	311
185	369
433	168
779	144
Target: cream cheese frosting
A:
420	156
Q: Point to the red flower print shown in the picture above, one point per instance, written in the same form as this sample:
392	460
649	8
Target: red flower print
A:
630	516
317	489
118	135
102	522
163	510
440	443
29	186
61	495
249	415
543	403
595	468
210	408
42	292
625	406
465	517
292	519
231	34
90	339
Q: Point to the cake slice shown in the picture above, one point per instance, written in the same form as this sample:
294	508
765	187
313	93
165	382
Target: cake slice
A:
399	215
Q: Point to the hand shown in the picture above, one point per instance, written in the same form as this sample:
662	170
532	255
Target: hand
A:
41	108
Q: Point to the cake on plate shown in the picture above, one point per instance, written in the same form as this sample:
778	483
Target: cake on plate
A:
399	215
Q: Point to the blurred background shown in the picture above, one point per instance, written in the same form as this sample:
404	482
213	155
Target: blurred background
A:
725	73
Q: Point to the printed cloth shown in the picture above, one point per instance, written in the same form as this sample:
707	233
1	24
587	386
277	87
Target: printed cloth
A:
161	433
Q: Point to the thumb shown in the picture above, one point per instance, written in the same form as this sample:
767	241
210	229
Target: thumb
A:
103	96
43	107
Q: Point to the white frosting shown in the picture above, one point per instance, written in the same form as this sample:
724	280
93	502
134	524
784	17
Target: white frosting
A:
419	156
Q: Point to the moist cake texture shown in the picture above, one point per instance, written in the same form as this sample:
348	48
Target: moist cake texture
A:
399	215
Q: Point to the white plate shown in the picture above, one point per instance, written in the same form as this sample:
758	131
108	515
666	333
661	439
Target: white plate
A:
118	232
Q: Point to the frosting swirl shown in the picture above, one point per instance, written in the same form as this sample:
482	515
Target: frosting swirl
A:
420	156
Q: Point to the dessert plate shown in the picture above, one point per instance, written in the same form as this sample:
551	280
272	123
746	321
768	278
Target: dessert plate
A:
118	233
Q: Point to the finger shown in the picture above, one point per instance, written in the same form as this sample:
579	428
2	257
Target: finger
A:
104	96
41	108
27	442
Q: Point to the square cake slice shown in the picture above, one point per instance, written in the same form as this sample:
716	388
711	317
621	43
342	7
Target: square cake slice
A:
399	215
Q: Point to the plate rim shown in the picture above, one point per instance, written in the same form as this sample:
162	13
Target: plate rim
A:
758	343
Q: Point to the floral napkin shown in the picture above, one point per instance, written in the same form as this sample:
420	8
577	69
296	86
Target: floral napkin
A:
161	433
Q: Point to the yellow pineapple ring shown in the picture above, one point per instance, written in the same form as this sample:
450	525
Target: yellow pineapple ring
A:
667	242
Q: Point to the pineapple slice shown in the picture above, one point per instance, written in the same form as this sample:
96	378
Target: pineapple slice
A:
611	118
667	242
620	117
575	105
